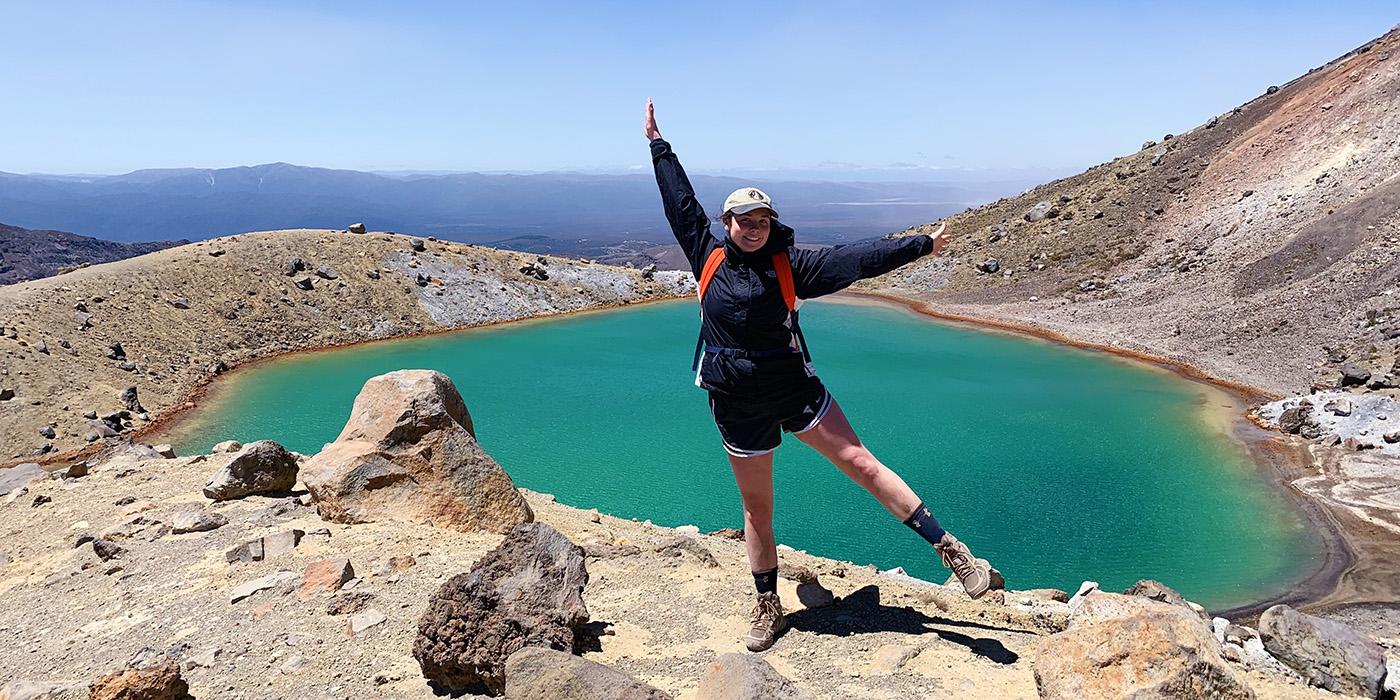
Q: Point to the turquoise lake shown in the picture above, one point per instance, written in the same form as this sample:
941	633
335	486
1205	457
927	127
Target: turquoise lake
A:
1057	464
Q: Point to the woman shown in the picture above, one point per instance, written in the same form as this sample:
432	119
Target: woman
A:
759	378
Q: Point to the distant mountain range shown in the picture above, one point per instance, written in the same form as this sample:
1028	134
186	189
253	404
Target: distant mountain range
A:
471	207
29	255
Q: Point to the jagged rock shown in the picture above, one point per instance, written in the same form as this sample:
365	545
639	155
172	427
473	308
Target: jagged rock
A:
528	591
165	450
279	543
159	682
196	521
362	621
356	228
106	549
989	266
1352	375
6	393
294	265
20	475
747	677
649	272
1040	212
40	500
178	302
1133	647
422	280
327	575
408	452
417	245
325	271
227	446
41	347
372	274
115	351
729	533
76	470
1160	592
1327	653
303	282
1391	437
47	432
130	401
535	672
1292	419
243	590
259	467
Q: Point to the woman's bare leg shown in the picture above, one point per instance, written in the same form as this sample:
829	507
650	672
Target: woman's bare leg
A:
836	440
754	475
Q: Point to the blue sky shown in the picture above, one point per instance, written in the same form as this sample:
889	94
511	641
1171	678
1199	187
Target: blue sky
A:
103	87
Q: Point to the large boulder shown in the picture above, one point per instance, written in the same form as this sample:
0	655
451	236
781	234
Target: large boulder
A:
1328	654
160	682
536	672
408	452
1120	646
526	592
747	677
259	467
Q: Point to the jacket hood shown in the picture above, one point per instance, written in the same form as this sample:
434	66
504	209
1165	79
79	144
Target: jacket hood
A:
780	238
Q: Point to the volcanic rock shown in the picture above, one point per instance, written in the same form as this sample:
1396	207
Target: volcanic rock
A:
259	467
528	591
1327	653
1131	646
159	682
747	677
536	672
408	452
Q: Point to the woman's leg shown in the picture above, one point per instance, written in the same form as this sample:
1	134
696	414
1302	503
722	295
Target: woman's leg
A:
836	440
754	475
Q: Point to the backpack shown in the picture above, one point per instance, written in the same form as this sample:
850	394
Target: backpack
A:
783	267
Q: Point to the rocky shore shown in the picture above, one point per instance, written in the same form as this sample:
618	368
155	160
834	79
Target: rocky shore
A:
209	576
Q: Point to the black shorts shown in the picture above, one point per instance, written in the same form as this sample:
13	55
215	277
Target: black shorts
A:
753	427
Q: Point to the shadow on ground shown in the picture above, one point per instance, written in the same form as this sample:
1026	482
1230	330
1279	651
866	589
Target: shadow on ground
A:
861	613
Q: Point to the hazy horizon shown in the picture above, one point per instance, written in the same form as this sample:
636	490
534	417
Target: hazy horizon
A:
559	87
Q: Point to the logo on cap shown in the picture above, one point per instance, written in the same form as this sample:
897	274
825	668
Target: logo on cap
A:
755	194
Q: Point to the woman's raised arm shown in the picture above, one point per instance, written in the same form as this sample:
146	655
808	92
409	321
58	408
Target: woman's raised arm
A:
683	211
828	270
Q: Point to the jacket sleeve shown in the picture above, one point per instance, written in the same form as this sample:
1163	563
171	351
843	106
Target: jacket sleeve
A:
829	270
683	211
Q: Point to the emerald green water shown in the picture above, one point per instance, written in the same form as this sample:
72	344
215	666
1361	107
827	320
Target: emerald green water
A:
1057	464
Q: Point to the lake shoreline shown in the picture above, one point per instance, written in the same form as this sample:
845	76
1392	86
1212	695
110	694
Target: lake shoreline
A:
1282	460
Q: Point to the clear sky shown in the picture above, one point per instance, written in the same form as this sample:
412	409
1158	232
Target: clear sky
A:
106	87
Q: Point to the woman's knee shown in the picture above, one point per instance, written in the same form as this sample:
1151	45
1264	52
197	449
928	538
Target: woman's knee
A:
864	467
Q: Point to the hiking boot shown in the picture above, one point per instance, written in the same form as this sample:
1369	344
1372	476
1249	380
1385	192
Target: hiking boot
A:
974	574
768	622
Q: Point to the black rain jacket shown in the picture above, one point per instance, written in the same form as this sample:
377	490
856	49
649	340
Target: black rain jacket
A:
743	307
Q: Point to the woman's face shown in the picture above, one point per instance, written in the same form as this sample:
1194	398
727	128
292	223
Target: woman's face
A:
750	229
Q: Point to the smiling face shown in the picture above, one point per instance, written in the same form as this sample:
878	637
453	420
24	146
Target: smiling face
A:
749	230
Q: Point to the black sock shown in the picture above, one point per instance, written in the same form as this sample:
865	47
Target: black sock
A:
766	581
923	522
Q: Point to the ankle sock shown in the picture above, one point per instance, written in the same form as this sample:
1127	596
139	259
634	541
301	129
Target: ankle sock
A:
766	581
923	522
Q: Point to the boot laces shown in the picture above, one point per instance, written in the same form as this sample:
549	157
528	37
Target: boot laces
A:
958	559
765	610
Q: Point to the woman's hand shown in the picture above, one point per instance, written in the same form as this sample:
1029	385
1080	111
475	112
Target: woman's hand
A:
649	125
940	238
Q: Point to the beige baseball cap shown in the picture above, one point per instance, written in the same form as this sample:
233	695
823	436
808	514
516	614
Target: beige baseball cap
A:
747	199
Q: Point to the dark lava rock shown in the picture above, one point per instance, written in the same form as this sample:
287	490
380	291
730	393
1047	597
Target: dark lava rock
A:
294	266
259	467
130	401
1353	375
303	282
526	592
417	245
1292	419
1328	654
106	549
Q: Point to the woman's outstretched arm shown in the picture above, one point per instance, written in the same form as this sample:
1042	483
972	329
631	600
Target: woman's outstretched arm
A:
683	211
829	270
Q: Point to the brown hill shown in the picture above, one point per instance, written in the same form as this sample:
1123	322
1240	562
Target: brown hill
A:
181	316
1262	246
29	255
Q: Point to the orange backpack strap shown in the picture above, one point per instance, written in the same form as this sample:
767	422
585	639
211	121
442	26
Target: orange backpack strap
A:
783	267
707	272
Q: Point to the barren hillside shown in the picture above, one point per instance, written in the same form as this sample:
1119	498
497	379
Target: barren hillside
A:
1262	246
169	321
